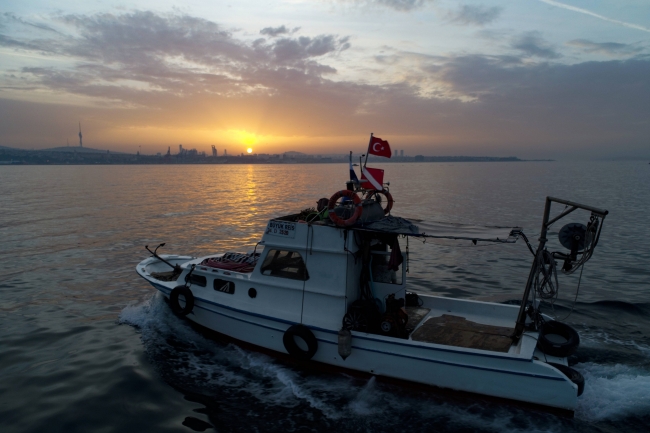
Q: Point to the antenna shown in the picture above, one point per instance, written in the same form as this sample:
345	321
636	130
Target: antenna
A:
80	142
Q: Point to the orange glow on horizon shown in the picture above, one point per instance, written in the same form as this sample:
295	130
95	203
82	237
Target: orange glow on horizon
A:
248	138
158	139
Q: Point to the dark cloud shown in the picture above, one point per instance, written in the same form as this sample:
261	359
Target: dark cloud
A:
125	38
289	50
532	44
402	5
554	103
478	15
275	31
607	48
398	5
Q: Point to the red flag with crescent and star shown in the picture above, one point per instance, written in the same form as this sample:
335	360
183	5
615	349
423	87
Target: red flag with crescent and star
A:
379	147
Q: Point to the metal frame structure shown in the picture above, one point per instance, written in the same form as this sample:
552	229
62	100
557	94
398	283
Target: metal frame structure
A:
601	213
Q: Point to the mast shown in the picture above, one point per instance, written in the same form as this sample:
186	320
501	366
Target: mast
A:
367	150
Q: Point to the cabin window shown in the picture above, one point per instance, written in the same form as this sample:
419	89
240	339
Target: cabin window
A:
380	271
285	264
224	286
198	280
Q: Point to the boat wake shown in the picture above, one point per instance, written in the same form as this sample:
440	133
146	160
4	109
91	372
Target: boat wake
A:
613	391
617	375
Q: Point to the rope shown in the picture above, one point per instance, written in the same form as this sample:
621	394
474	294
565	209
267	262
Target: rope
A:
548	287
575	300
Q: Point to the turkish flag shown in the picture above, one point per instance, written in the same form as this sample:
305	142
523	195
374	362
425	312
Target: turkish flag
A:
379	147
372	178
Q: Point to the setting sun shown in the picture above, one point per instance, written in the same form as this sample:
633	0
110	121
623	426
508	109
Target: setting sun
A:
249	150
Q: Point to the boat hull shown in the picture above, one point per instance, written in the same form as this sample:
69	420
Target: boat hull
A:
501	376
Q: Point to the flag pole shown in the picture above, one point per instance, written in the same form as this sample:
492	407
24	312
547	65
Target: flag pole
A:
350	184
368	151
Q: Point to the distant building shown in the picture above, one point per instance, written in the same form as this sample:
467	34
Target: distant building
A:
401	153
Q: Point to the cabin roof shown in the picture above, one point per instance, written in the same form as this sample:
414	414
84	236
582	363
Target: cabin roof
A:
390	224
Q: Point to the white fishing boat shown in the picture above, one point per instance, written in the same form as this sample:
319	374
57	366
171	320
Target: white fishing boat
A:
330	288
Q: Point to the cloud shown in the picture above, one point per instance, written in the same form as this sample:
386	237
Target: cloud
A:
475	15
289	50
551	94
402	5
398	5
276	31
133	56
8	17
608	48
532	44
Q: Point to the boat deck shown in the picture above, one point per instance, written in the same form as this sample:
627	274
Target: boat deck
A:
467	324
460	332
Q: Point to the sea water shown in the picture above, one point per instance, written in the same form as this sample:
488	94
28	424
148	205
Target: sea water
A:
86	345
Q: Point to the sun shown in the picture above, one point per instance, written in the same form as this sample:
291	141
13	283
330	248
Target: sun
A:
249	150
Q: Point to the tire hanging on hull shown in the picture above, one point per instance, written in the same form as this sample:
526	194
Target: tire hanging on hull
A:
573	375
304	333
553	348
174	300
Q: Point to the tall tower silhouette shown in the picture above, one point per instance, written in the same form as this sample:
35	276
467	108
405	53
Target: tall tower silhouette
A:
80	142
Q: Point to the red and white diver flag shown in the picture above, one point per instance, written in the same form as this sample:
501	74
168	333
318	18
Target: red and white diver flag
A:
374	178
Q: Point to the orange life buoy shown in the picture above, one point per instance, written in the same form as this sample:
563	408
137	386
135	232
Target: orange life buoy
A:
389	199
358	209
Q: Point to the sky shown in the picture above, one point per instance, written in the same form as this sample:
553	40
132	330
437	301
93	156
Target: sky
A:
563	79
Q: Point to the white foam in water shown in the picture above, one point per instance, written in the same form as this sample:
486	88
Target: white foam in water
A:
291	388
288	389
365	403
156	322
145	314
613	391
597	339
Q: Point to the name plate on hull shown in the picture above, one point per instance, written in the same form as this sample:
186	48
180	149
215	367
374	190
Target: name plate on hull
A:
281	228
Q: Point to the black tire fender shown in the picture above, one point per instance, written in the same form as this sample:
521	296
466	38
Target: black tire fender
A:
573	375
304	333
561	350
175	304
